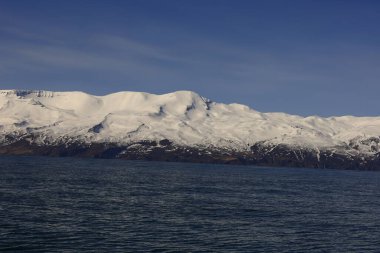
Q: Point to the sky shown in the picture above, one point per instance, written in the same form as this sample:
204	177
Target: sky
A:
298	56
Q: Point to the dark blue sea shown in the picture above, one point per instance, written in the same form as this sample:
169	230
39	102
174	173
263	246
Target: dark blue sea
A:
93	205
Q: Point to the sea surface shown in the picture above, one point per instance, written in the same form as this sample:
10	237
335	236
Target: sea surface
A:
94	205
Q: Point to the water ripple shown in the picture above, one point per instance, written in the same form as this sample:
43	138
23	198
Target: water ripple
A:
71	205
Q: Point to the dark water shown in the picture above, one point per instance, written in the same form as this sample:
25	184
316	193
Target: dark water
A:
72	205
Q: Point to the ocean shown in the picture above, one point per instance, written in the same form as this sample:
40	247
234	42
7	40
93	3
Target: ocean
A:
94	205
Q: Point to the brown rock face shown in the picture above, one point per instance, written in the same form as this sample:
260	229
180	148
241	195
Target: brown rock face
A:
165	150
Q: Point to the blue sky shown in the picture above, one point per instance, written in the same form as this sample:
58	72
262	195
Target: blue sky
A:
301	57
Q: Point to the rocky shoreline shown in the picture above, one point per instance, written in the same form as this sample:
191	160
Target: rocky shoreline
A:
164	150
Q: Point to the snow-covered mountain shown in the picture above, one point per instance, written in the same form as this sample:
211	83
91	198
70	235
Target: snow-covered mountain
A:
180	126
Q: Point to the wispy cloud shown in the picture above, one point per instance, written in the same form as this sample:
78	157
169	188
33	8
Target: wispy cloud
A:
246	73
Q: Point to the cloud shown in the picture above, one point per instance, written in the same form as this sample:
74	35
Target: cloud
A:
221	70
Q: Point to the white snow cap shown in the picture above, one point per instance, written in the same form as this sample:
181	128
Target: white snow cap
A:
183	117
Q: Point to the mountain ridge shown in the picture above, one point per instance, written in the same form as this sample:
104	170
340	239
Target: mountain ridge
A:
184	119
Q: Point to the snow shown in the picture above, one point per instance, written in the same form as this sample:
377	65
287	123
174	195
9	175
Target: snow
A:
183	117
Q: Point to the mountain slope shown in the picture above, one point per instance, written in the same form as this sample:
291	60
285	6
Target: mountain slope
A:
180	126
